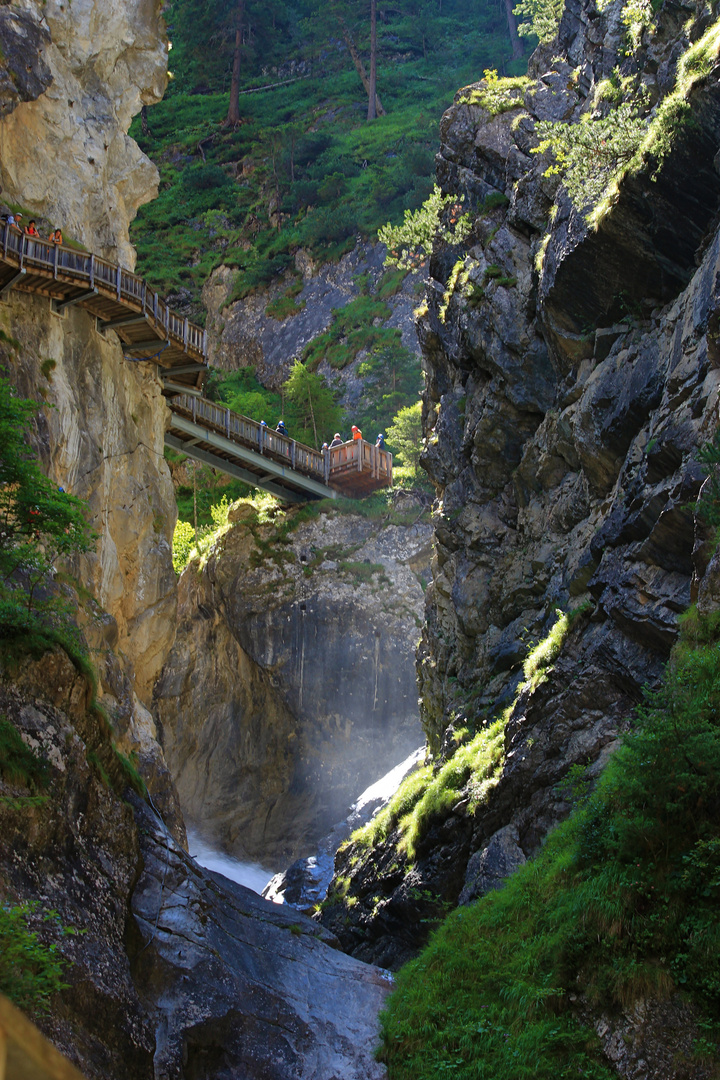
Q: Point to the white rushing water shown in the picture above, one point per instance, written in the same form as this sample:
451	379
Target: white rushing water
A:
251	875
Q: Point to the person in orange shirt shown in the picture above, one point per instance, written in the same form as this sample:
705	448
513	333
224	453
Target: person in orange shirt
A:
356	432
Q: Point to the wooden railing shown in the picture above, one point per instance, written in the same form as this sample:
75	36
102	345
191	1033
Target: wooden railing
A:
320	464
85	268
253	434
25	1054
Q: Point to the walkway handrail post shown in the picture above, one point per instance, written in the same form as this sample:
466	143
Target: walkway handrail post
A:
194	409
326	458
185	332
260	437
6	237
359	444
118	282
23	242
292	454
227	423
92	270
55	260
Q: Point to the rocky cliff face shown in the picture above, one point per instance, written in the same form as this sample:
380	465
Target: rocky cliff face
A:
565	405
291	683
177	972
241	332
76	74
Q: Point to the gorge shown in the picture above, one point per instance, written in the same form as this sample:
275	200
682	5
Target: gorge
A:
543	616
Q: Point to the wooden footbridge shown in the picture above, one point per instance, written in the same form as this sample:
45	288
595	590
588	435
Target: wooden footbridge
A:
252	452
149	330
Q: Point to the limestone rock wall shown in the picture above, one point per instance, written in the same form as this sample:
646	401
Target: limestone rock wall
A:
291	683
100	436
64	150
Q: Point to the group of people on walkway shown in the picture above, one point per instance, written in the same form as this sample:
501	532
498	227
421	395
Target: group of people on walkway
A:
15	221
338	440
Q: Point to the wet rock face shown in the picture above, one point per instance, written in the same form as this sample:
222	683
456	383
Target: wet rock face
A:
176	973
241	986
87	69
291	683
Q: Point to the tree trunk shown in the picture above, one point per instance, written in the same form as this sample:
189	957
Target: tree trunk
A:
359	66
517	48
372	107
233	117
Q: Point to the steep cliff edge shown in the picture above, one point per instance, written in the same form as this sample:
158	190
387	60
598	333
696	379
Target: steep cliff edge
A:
291	685
572	376
86	69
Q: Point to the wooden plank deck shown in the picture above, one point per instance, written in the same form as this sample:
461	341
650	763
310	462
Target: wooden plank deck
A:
25	1053
263	458
121	301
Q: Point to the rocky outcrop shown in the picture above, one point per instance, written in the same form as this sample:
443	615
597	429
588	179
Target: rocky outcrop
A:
241	332
290	686
87	68
569	388
176	972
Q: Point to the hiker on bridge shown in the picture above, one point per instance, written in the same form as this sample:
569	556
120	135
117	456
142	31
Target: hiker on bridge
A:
356	432
56	236
30	229
337	441
380	441
281	429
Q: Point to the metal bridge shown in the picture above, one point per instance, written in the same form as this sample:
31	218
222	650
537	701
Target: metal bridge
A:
252	452
149	330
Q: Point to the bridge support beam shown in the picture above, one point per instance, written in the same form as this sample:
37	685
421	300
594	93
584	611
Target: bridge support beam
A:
9	284
60	305
126	320
231	469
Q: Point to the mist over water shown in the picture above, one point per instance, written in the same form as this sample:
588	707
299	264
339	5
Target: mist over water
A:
251	875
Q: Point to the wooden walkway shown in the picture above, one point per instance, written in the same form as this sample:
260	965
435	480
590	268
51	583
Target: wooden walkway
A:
148	329
263	458
25	1054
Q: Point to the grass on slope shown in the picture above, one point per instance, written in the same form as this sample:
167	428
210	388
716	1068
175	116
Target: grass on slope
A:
303	168
621	903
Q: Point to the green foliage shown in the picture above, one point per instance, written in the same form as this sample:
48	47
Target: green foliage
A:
18	763
39	525
353	330
183	544
392	379
496	95
620	904
314	173
312	412
409	245
542	18
30	971
589	154
405	433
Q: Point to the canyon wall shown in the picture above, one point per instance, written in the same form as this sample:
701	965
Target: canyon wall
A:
570	384
291	684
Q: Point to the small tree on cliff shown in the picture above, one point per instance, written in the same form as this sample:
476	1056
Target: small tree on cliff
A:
405	434
39	523
313	413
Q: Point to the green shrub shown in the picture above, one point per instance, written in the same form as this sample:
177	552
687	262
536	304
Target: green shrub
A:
30	971
18	763
621	904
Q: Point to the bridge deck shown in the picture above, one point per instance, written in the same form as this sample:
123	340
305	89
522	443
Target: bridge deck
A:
263	458
121	301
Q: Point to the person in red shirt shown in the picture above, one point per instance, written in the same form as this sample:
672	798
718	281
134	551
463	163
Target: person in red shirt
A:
30	229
